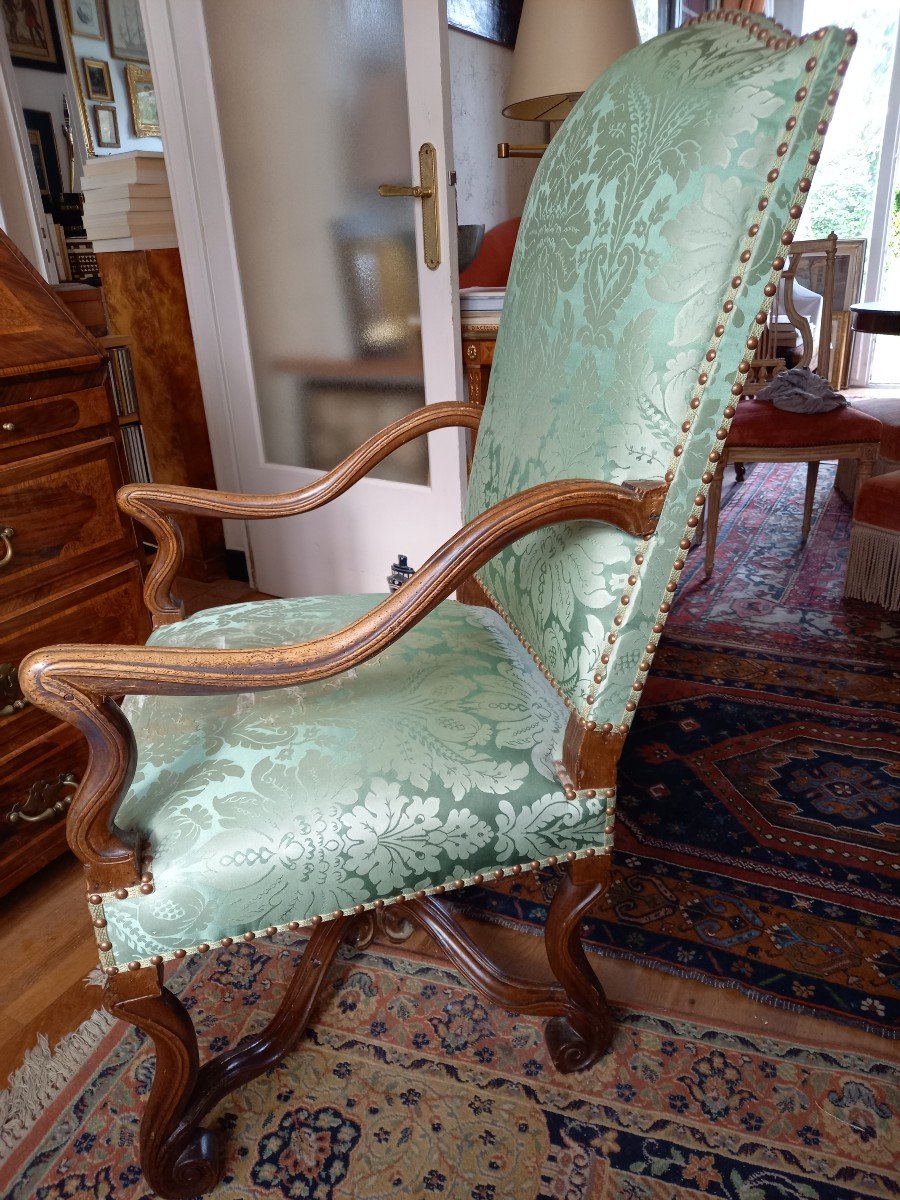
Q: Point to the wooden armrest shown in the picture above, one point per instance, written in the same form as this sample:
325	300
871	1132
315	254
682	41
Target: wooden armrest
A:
76	683
152	503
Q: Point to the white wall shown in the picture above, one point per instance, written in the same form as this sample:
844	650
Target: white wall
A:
489	190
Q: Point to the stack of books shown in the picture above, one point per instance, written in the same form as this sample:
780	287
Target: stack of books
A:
480	308
127	205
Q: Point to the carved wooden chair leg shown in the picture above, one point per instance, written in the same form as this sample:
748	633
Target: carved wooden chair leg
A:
812	475
179	1158
711	522
580	1035
580	1028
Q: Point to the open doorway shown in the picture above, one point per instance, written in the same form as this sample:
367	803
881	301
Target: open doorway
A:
855	194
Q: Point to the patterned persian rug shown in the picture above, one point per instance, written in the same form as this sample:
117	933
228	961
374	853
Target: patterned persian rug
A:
758	837
406	1086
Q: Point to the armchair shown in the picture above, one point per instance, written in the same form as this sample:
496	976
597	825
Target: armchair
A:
333	764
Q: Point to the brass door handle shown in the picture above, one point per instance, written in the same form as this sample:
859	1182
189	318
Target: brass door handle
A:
426	191
6	534
401	189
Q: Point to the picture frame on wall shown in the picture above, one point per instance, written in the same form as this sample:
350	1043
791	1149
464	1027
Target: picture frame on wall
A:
44	153
849	262
494	20
126	30
841	345
33	35
86	19
97	81
142	95
106	126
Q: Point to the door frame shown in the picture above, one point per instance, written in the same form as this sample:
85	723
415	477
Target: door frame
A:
180	62
864	343
21	212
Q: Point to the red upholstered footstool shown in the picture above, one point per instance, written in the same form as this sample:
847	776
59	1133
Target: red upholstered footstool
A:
873	569
886	409
760	432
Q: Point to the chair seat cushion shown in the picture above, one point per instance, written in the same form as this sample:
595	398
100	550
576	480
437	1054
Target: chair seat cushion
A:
878	502
885	409
432	762
759	423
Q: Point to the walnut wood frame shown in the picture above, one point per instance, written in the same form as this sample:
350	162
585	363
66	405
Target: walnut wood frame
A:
78	684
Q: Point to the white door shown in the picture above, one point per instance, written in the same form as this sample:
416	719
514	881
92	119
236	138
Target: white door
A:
342	324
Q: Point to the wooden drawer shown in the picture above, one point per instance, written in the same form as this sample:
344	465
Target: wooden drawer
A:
30	781
53	415
109	610
62	510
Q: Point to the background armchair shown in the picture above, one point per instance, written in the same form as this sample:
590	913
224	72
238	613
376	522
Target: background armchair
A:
333	764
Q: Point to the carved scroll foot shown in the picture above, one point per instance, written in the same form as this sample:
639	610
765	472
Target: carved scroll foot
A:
180	1158
578	1037
580	1025
177	1161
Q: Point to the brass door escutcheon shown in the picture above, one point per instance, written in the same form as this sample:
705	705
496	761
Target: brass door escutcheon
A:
6	534
426	191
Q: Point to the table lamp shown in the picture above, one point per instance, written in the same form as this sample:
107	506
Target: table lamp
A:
561	48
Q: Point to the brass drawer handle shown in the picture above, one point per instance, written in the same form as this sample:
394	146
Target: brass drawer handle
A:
6	534
8	427
11	698
47	797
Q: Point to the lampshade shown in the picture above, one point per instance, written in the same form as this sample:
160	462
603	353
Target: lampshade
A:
561	48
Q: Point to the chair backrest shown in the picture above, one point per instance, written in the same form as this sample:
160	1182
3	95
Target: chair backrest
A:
648	254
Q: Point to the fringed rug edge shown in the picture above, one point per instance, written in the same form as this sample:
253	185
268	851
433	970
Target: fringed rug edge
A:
35	1084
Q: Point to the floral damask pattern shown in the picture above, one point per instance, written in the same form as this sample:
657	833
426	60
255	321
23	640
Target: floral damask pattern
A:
432	762
629	248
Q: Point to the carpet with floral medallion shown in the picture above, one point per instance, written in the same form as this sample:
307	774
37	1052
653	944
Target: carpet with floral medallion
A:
406	1086
758	827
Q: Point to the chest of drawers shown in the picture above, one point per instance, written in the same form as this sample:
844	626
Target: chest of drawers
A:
70	569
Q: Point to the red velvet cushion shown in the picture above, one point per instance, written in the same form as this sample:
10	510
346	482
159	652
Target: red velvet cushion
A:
758	423
878	502
493	260
886	409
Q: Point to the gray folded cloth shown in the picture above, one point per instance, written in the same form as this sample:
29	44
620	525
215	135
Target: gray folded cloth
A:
800	390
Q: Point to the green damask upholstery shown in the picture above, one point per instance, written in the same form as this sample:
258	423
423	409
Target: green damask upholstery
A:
650	240
431	763
627	279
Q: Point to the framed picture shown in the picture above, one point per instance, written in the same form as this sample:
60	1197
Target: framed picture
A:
43	151
493	20
106	126
86	19
841	345
142	95
33	35
126	30
849	261
96	78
